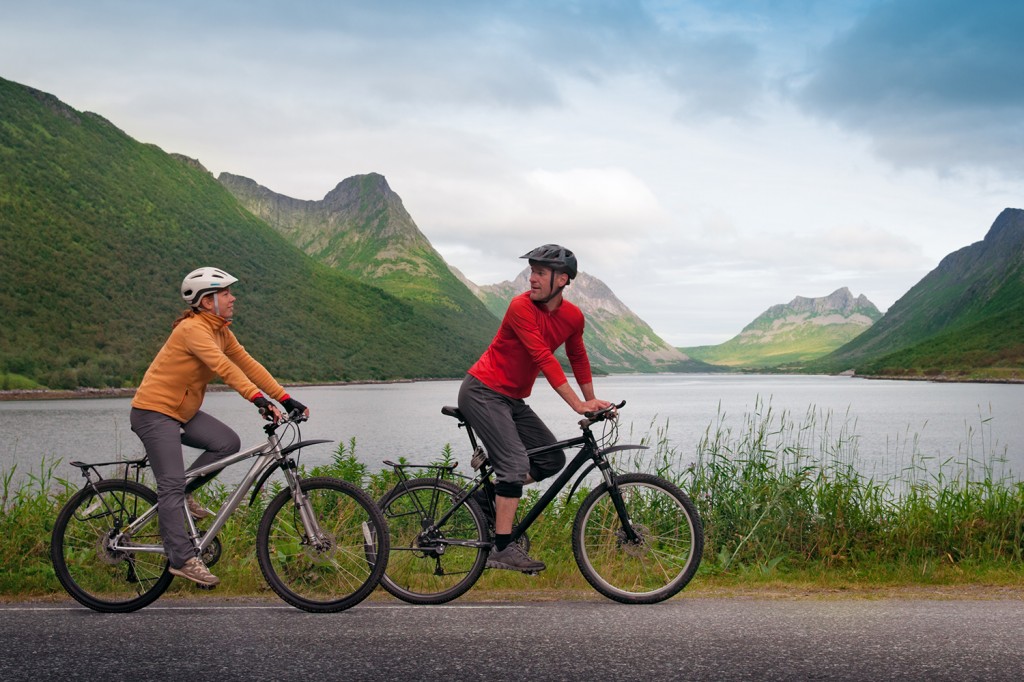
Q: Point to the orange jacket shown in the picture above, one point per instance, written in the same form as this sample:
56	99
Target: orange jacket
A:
197	349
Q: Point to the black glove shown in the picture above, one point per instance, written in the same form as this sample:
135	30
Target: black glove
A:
264	407
291	406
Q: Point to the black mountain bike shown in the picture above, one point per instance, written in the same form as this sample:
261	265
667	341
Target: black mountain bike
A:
637	538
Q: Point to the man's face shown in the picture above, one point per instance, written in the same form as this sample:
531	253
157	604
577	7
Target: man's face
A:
540	282
220	303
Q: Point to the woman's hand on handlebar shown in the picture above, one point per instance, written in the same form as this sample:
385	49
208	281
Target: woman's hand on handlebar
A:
293	407
267	409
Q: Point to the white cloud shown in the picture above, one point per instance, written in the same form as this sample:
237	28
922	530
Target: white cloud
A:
707	160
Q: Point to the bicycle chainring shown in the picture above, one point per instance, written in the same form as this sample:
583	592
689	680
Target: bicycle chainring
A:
211	554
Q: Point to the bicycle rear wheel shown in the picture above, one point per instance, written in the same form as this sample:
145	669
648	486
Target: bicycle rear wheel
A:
97	576
335	571
432	566
664	557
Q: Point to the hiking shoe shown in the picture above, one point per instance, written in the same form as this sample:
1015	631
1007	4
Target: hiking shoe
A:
197	510
196	571
513	558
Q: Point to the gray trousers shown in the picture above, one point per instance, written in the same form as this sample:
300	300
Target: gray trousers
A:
163	436
508	428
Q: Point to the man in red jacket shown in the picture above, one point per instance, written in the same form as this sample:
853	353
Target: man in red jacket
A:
536	324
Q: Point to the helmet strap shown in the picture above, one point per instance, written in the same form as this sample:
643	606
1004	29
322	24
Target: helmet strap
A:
554	292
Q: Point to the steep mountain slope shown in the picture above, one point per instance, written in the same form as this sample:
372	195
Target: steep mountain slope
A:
964	317
96	231
616	338
794	333
361	227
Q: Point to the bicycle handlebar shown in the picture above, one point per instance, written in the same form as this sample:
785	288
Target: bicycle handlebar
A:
610	412
294	417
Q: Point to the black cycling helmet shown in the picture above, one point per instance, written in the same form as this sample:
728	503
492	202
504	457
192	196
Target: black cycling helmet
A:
554	256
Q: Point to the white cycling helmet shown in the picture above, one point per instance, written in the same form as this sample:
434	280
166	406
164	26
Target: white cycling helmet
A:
202	281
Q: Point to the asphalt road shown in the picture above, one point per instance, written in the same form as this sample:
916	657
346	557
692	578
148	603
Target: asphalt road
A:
693	638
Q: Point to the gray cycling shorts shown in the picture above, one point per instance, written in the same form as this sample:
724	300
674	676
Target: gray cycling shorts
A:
508	427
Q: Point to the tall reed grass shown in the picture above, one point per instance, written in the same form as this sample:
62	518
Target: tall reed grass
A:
777	492
779	496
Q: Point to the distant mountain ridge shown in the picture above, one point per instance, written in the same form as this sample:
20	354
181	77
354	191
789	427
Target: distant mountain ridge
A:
615	336
964	318
362	227
793	333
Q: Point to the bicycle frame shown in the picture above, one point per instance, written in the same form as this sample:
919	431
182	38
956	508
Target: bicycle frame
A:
268	455
589	450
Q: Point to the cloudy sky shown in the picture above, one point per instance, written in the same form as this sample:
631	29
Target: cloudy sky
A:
706	159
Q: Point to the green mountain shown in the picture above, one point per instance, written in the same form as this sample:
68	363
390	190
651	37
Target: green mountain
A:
362	228
794	333
617	340
964	318
97	230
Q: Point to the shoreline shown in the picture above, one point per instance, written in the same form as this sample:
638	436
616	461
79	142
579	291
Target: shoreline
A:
93	393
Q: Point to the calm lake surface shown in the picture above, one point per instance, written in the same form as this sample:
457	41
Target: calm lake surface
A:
891	423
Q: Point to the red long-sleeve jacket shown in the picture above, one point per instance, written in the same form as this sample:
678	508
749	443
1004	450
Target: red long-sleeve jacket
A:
524	347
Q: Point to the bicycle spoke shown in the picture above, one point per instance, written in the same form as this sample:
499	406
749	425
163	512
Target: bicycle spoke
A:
331	572
432	565
660	561
89	568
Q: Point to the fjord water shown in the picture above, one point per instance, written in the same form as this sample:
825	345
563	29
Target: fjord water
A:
891	423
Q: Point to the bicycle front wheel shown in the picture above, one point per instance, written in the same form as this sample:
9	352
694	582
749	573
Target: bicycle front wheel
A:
339	567
431	565
662	556
89	568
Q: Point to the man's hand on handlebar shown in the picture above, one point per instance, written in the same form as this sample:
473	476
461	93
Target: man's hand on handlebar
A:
589	407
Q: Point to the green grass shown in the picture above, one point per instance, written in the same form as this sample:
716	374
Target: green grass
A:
783	504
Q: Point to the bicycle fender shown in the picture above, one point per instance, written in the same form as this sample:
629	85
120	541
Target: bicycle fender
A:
301	444
617	448
284	451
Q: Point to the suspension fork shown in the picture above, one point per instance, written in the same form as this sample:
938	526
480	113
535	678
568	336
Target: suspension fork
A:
301	501
616	496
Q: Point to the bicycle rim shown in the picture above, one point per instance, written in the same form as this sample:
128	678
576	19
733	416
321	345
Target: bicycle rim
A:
112	581
656	566
336	571
419	572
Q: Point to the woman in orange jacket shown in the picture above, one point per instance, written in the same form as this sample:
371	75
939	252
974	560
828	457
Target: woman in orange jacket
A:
165	411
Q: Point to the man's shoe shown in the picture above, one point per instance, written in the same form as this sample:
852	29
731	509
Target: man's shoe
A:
197	510
196	571
513	558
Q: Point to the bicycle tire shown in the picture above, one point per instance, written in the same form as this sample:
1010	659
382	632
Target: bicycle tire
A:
340	573
661	563
97	577
415	573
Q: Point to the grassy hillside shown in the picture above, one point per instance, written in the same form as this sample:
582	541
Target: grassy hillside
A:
361	227
965	318
792	334
97	230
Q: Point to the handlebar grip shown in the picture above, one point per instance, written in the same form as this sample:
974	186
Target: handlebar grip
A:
600	414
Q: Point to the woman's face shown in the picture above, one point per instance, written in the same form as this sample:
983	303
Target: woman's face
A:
220	303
